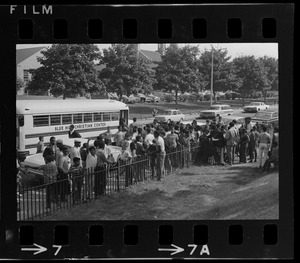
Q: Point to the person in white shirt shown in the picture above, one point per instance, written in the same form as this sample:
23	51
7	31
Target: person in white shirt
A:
91	162
124	159
91	158
149	137
161	156
135	133
63	170
75	150
107	151
248	125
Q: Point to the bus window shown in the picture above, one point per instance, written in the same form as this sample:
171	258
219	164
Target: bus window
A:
77	118
106	116
42	120
97	116
67	119
55	120
115	116
87	117
21	120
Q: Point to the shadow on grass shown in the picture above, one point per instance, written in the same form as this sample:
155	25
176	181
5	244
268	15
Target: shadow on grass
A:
245	176
188	174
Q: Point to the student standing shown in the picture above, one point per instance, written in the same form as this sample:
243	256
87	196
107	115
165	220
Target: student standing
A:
50	150
244	140
50	179
229	136
76	174
63	170
75	150
40	145
100	170
253	137
263	146
161	155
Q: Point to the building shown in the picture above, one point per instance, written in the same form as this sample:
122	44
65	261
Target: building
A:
150	56
26	59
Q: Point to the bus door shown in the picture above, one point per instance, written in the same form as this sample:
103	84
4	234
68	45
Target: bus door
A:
20	133
17	133
124	115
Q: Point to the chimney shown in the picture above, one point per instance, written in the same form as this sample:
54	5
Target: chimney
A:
161	48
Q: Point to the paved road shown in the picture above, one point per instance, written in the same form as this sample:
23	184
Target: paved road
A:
190	117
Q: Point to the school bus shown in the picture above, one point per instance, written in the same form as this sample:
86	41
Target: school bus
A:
48	118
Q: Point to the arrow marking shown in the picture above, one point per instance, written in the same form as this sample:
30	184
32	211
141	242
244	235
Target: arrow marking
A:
39	249
175	249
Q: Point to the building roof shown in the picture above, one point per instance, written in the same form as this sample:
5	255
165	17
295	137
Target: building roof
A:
153	56
150	56
25	53
99	67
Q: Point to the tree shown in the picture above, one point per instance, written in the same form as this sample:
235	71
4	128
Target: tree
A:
178	72
270	66
125	73
250	75
67	70
222	73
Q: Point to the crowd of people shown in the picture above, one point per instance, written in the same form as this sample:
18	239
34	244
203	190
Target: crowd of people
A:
165	146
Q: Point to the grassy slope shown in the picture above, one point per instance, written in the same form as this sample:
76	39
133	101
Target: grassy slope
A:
197	193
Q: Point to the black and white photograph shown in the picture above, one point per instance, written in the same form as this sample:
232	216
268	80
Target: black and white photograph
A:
166	131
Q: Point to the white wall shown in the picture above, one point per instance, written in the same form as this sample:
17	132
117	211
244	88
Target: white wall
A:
29	63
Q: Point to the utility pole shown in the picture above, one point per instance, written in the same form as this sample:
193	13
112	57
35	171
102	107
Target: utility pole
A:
211	74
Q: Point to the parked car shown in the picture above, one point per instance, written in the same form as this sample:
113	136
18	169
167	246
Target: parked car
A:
170	115
221	109
37	159
153	99
133	100
142	97
266	117
255	107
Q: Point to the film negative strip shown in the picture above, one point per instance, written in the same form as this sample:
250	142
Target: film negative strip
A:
199	210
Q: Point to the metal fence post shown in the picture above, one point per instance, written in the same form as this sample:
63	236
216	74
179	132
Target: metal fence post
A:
118	177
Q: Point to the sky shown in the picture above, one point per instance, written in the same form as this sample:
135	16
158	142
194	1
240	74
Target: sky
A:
234	49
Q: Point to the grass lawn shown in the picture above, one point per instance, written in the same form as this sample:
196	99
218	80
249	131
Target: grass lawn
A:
196	193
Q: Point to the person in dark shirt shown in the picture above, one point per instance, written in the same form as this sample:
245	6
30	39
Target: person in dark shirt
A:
216	137
50	150
273	158
152	152
244	141
73	133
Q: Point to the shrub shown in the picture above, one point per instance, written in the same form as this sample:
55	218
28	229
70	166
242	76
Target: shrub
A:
221	97
234	95
207	97
228	96
169	98
192	98
185	97
196	97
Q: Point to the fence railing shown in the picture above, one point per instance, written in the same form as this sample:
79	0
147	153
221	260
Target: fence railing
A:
36	202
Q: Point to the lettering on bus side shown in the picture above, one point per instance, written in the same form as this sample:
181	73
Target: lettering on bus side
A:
99	124
80	126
